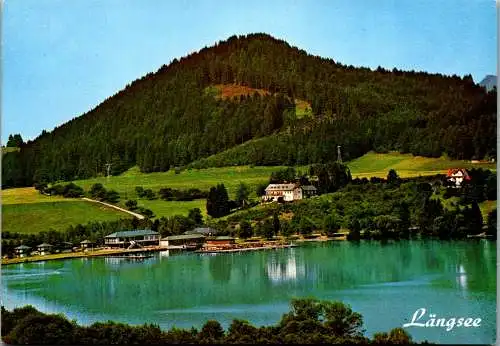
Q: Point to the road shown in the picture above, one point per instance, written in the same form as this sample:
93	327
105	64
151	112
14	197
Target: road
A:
139	216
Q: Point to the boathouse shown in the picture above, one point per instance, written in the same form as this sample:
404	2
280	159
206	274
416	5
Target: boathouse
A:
22	250
185	241
86	244
141	237
220	241
44	249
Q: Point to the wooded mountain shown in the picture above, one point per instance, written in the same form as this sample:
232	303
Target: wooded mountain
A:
173	117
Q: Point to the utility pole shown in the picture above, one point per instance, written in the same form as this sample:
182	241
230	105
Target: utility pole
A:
339	156
108	168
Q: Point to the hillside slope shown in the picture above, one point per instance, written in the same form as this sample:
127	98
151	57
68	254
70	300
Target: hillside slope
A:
171	118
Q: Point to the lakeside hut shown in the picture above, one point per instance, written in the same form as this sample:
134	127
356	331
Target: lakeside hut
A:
44	249
184	241
86	244
22	250
141	237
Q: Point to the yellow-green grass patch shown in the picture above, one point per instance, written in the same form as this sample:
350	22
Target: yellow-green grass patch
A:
38	217
25	195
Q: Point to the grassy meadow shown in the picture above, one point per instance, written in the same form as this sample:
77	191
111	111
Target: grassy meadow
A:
24	209
202	179
407	165
38	217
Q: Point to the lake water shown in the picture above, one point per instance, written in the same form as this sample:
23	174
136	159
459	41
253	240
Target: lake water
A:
386	283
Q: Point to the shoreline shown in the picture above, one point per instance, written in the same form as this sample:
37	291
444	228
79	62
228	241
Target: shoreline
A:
106	252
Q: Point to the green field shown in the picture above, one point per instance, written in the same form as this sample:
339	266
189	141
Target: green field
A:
169	208
27	204
407	165
202	179
37	217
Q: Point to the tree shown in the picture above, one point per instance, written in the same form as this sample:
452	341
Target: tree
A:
15	141
305	226
242	194
211	333
492	223
139	190
131	204
331	224
260	190
276	223
112	196
245	231
393	178
195	215
97	191
475	218
218	201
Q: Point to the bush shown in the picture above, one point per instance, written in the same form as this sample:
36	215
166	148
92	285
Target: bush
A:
131	204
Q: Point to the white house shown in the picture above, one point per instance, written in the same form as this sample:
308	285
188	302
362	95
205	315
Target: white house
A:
457	176
287	192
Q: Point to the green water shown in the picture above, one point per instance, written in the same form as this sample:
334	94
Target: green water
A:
385	283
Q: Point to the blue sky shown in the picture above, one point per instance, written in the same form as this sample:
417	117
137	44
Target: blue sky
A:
61	58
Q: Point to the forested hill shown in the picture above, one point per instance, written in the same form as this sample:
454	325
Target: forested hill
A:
174	116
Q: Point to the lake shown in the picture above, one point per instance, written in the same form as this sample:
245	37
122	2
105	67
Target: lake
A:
386	283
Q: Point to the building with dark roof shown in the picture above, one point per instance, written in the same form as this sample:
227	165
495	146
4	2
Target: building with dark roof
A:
44	248
185	241
22	250
207	231
141	237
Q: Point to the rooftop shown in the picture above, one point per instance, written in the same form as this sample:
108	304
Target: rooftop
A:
44	245
223	237
184	236
280	187
134	233
22	247
308	188
202	230
86	241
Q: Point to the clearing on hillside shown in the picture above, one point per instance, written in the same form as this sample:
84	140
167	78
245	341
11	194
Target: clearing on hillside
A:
38	217
227	91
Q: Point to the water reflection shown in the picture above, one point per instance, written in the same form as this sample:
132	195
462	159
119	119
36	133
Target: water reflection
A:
456	278
461	277
280	269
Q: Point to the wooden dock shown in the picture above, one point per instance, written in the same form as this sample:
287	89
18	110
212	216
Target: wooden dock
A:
244	249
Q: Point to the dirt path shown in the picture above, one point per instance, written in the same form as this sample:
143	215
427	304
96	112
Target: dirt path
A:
139	216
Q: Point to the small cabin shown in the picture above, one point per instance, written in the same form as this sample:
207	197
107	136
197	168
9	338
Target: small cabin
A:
44	249
86	244
22	250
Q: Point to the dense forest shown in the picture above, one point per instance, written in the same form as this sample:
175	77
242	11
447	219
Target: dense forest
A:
173	117
309	321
